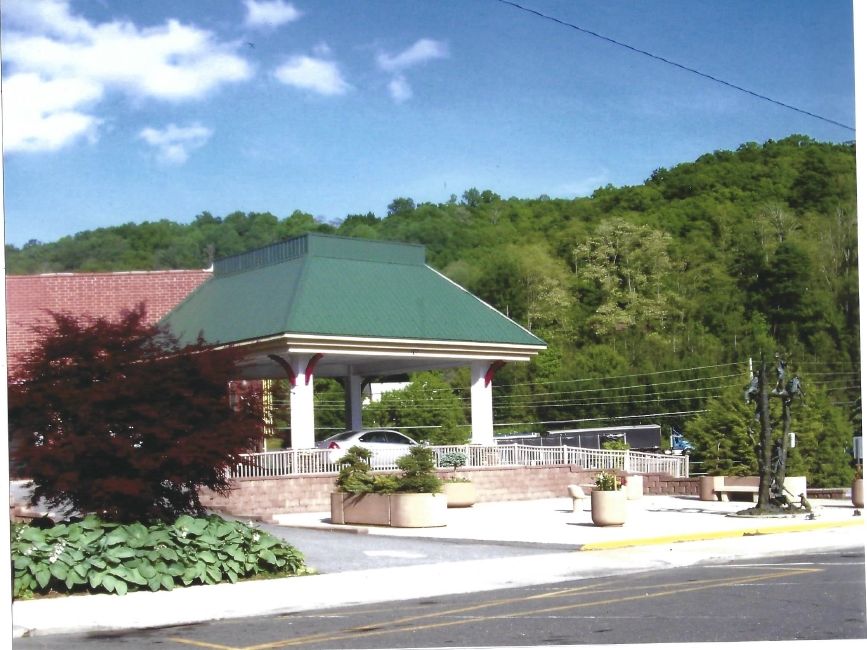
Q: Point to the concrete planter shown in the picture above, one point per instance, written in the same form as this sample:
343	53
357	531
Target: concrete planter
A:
608	507
397	510
634	486
421	510
459	495
337	499
371	509
706	486
796	486
858	493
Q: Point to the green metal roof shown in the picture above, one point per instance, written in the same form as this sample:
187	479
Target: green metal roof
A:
337	286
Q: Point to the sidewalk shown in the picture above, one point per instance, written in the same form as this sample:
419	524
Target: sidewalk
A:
661	532
650	520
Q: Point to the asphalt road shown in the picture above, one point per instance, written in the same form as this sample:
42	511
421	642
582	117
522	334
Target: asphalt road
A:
811	596
334	551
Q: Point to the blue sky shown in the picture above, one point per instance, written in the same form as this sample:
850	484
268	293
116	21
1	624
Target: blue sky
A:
118	111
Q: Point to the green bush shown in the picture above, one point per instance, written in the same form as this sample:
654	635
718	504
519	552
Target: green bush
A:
417	473
355	476
454	459
615	445
96	556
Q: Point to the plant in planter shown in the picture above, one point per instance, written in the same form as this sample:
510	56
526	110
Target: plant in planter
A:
355	476
858	488
407	500
454	459
460	492
418	468
608	501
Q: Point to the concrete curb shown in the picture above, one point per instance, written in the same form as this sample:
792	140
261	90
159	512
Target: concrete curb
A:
703	537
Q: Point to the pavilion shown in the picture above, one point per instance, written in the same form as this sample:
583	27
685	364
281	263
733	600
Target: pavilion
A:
350	309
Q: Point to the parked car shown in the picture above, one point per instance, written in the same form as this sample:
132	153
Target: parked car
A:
386	445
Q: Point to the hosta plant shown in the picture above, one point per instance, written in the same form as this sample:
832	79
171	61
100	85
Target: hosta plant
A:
94	556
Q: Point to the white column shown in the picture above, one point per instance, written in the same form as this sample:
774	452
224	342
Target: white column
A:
301	404
352	400
482	404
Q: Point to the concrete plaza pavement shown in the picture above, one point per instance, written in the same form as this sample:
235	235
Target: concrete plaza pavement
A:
660	532
650	520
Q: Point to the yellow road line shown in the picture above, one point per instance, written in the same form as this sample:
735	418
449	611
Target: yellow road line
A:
203	644
376	629
342	635
744	532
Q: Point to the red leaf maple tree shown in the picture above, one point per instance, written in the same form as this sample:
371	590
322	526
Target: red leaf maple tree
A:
117	418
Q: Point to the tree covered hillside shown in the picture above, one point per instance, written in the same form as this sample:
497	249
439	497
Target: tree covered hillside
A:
650	297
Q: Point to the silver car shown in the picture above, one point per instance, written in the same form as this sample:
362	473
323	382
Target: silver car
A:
385	445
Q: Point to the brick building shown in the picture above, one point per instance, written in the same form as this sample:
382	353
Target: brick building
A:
30	297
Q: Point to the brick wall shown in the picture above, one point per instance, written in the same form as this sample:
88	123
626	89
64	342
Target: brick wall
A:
260	498
89	294
829	493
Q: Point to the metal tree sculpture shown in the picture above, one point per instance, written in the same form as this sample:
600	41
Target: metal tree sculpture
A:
772	453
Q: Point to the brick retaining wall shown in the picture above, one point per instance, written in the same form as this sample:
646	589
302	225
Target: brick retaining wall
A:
829	493
260	498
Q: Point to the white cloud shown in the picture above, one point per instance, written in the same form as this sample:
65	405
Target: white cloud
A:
318	75
270	14
175	143
42	40
41	115
423	50
399	89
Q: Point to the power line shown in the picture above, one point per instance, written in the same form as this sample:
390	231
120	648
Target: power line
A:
618	417
675	64
629	387
639	389
609	403
641	374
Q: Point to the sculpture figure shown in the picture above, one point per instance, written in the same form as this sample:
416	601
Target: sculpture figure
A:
771	452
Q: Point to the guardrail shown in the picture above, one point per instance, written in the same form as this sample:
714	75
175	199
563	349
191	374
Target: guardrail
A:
293	462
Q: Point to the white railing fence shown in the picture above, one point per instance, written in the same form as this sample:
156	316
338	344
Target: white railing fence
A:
292	462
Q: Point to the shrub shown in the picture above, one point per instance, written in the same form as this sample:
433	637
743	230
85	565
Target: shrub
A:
454	459
354	476
117	418
94	556
615	445
418	471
